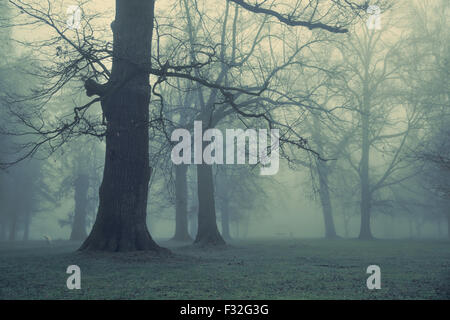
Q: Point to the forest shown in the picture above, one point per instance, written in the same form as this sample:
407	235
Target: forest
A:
226	149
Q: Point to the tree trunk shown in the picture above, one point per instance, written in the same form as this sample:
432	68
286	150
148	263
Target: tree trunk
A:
81	200
324	191
226	221
26	226
193	224
324	194
13	228
121	219
365	232
207	234
181	210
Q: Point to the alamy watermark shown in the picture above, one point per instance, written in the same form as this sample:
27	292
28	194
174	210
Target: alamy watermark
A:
74	280
374	20
374	280
236	147
74	15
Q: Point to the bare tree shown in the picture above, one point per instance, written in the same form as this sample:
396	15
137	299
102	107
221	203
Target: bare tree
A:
125	97
372	82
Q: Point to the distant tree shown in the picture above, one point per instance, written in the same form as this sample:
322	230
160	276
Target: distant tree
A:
240	196
371	80
80	165
428	75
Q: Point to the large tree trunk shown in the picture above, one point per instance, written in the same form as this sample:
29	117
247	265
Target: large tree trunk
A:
366	199
226	221
324	194
181	210
121	219
207	234
81	200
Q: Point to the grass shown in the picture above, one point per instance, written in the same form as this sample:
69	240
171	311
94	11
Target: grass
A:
251	269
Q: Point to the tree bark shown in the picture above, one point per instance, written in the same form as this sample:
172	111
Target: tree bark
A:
181	211
207	234
121	219
81	200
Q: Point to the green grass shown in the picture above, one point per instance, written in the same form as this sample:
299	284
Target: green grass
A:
254	269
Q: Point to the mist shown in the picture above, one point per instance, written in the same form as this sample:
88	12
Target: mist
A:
186	127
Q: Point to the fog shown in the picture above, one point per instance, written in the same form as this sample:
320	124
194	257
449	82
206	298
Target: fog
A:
362	115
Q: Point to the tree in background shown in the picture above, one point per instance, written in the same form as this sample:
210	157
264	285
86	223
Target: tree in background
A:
80	165
371	79
240	196
429	80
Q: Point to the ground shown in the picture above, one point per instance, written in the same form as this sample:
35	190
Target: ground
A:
250	269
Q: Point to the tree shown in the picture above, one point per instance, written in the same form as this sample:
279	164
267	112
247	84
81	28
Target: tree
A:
372	83
20	197
80	182
236	56
429	79
239	196
181	206
330	149
121	220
